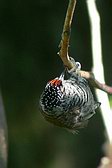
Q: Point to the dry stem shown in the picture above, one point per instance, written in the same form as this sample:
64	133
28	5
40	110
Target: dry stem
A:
64	44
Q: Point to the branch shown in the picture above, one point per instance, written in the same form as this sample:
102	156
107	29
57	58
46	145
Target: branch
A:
64	45
95	83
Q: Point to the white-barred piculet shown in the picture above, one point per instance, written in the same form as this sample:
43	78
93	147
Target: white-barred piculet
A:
67	101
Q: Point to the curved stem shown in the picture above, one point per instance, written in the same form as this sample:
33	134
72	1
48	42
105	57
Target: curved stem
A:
64	44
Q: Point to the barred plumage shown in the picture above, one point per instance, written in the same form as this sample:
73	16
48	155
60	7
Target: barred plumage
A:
68	102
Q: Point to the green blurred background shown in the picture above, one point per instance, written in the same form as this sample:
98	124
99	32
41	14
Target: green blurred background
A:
30	31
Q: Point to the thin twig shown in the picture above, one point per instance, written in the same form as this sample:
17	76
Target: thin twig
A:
95	83
64	44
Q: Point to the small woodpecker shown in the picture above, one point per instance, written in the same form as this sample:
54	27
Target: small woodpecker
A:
67	101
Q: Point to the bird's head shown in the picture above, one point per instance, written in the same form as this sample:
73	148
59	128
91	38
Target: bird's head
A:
51	96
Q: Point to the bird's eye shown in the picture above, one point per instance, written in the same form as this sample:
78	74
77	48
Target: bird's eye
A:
78	65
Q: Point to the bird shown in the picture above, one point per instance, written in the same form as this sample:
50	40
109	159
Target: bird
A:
67	101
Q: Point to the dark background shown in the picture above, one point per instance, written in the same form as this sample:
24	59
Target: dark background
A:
30	32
